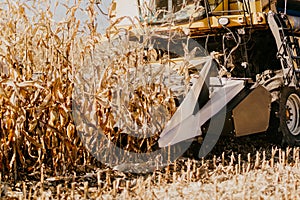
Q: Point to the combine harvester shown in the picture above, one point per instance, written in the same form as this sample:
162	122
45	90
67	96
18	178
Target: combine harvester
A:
254	44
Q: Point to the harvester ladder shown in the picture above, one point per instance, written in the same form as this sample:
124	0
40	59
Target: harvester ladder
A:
287	45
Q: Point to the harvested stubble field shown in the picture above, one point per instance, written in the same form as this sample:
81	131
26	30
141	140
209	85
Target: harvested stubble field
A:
42	155
248	168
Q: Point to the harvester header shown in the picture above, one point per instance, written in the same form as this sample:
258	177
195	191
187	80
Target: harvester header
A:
254	45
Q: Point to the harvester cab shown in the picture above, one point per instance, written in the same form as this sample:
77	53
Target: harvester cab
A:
206	15
254	44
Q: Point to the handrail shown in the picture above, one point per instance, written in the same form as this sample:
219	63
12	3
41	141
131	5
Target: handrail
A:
227	11
207	11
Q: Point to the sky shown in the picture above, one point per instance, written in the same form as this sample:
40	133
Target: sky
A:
124	8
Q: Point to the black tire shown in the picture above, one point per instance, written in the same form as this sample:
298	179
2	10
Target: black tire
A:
273	133
289	115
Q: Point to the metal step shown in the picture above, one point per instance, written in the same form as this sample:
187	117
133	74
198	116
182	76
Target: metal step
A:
286	29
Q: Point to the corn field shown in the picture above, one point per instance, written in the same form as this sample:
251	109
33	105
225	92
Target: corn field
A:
37	63
272	174
44	68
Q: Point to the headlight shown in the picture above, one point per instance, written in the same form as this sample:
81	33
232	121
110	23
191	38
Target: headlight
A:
223	21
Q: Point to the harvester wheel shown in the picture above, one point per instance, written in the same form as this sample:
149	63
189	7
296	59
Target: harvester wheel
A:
289	115
273	133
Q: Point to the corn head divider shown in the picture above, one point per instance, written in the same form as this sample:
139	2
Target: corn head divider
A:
188	118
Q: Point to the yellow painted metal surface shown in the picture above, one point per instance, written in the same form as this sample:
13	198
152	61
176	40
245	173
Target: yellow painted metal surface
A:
234	11
239	17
